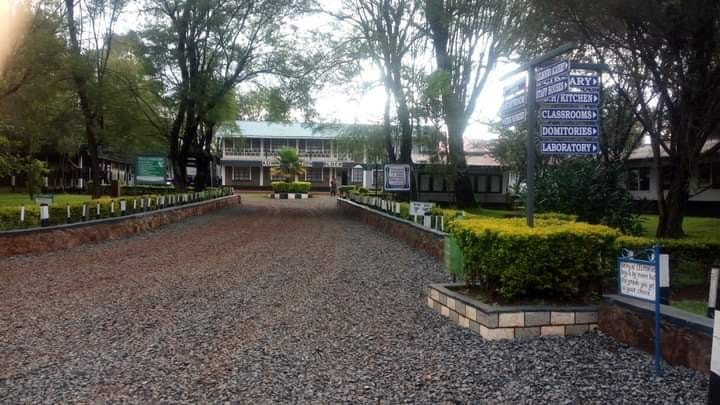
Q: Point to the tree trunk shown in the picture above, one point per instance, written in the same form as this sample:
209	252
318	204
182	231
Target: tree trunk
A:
671	219
455	120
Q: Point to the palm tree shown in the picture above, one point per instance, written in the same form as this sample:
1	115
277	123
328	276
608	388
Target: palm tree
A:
288	164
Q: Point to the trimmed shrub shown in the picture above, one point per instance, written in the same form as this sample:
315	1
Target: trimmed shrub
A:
142	190
290	187
554	259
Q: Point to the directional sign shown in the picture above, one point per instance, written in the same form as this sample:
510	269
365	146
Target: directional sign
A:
590	98
551	89
568	131
556	69
512	104
551	80
570	148
511	119
513	88
569	114
592	82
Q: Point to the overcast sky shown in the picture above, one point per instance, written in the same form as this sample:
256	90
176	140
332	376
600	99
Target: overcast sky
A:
335	103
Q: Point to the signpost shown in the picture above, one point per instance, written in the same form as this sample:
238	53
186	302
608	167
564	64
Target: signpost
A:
570	148
569	114
397	177
585	82
420	208
569	131
513	108
587	98
638	277
150	170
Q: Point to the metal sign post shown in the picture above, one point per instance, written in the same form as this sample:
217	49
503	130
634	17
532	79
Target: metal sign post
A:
638	276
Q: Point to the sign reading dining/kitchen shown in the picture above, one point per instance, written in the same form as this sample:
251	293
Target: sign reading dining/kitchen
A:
150	170
420	208
397	177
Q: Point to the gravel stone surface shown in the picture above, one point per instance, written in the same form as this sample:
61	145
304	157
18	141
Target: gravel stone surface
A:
281	301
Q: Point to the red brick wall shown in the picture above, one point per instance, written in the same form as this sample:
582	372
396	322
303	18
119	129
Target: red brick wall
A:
63	237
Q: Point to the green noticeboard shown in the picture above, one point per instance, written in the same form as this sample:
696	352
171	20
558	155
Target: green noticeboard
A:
150	170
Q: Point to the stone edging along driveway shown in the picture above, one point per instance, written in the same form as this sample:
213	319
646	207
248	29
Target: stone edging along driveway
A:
43	240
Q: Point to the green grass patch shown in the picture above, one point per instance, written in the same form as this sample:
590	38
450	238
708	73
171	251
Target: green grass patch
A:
696	228
697	307
18	199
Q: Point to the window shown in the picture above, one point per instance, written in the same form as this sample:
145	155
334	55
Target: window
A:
357	175
639	179
424	182
495	184
314	174
482	184
241	174
438	184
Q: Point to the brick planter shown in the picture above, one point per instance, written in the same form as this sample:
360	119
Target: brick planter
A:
510	322
42	240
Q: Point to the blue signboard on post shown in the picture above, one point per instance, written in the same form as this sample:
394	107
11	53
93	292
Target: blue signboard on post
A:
569	131
569	114
569	148
586	98
638	276
589	82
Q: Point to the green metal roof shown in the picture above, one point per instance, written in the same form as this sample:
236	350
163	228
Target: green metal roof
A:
258	129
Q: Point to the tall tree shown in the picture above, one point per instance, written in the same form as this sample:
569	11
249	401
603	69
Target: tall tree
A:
389	34
90	36
668	52
468	39
202	50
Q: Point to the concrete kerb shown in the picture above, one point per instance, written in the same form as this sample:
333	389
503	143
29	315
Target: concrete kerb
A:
394	218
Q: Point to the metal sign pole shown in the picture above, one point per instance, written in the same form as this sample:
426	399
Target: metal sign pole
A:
531	124
658	354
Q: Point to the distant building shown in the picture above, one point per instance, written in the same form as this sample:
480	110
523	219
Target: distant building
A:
249	153
704	188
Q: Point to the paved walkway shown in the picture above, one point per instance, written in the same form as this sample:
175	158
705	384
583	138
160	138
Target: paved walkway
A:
279	301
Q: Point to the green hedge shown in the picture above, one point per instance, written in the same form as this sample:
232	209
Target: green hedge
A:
291	187
560	260
144	190
10	216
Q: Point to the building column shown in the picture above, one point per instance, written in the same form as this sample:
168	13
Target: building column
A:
262	171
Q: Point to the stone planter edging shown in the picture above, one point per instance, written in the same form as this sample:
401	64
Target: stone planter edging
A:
416	236
510	322
58	237
290	196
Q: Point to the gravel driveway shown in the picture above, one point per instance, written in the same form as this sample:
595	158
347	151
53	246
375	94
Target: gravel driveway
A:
280	301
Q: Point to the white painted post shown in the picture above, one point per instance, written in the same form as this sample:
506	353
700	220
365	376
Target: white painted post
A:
44	214
97	210
134	205
22	213
112	208
84	212
712	295
122	207
427	221
714	386
69	216
664	278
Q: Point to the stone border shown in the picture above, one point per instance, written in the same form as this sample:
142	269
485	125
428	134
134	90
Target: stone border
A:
429	240
510	322
290	196
686	339
58	237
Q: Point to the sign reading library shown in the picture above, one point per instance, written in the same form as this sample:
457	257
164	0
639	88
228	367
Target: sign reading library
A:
397	178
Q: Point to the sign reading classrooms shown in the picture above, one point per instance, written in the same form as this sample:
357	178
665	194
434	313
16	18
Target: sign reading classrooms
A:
150	170
397	177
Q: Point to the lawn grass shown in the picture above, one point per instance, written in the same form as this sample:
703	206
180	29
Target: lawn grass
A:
695	227
697	307
8	199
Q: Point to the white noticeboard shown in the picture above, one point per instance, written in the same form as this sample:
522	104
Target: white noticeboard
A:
397	178
419	208
638	280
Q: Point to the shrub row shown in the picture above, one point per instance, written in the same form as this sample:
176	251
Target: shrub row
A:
108	208
291	187
555	259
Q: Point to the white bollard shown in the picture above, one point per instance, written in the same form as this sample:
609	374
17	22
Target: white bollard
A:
22	213
123	206
97	211
69	216
427	221
44	214
712	296
134	205
112	208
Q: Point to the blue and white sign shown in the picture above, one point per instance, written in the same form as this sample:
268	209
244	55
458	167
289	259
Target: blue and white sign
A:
397	177
591	82
563	131
512	104
638	276
569	114
551	89
569	148
561	68
588	98
514	88
514	118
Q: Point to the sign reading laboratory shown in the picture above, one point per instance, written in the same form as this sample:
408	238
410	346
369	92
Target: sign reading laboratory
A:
397	177
150	170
